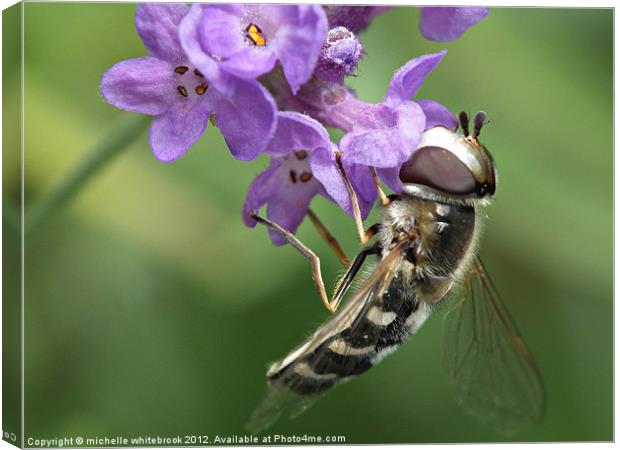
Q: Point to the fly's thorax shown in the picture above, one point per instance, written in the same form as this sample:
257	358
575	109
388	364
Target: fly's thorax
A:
445	180
443	239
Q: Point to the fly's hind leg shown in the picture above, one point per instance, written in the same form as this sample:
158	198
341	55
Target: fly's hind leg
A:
343	284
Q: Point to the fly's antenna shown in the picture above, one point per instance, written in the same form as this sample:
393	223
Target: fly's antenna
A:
479	119
464	121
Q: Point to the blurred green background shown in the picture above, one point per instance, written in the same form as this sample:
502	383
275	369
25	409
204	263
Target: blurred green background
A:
151	308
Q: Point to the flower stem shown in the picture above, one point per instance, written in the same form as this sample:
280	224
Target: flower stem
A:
96	158
10	215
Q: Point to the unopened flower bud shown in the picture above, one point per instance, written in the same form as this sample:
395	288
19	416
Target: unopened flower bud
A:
340	55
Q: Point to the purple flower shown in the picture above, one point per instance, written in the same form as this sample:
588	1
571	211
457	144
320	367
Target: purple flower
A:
436	23
244	41
302	166
448	24
379	135
166	85
355	18
404	86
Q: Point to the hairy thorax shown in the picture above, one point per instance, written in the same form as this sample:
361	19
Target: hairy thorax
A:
442	242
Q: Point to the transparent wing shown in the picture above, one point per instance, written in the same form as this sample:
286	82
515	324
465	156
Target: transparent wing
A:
495	376
325	359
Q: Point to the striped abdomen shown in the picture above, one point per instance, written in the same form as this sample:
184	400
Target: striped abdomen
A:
385	324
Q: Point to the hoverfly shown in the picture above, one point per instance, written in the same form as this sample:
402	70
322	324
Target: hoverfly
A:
426	244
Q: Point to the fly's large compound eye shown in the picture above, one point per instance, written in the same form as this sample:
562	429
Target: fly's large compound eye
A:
439	169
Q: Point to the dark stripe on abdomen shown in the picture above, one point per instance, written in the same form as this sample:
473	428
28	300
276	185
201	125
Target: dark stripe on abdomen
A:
354	350
325	361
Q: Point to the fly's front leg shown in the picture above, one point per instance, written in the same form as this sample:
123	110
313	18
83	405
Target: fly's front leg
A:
385	200
364	235
347	279
341	286
357	214
314	260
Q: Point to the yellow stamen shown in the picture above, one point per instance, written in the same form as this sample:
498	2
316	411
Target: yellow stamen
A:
255	35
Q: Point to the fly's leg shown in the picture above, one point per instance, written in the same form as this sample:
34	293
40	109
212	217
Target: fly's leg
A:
343	284
364	235
385	200
345	281
329	238
314	260
357	214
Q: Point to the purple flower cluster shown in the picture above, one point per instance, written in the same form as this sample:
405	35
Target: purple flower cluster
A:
271	78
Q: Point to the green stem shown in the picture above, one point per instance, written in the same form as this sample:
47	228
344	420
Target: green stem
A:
97	157
10	215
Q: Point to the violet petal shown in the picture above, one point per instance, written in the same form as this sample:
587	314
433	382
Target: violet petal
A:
362	182
246	118
447	24
296	131
287	202
408	79
189	34
325	170
288	212
250	62
157	25
298	40
355	18
262	187
388	145
437	114
390	177
144	85
173	133
221	30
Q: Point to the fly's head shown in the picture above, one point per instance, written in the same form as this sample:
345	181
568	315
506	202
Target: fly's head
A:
451	167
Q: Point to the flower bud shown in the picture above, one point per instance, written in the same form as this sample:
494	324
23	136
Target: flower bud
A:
340	55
